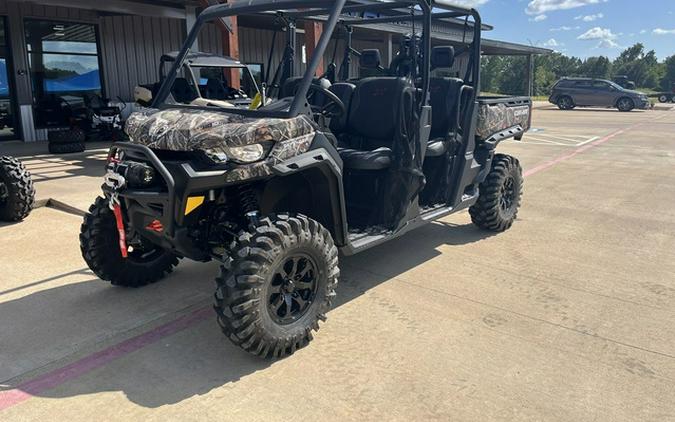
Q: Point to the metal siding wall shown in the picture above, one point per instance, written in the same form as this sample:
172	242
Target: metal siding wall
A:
132	47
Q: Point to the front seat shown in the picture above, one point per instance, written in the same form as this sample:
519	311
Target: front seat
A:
215	90
182	91
445	98
372	123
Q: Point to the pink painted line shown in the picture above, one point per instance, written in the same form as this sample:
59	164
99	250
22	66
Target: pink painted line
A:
87	364
558	160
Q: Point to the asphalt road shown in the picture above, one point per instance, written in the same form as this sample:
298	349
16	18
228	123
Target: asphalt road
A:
568	316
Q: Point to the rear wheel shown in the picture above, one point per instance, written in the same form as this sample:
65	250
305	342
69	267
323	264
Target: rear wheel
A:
17	193
281	283
565	103
500	195
663	98
99	243
625	104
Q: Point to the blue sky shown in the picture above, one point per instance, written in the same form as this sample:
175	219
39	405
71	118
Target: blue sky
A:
582	28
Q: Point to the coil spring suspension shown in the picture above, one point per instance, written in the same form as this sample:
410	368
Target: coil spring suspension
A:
249	205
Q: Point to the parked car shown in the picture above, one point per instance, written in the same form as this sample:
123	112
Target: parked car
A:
569	93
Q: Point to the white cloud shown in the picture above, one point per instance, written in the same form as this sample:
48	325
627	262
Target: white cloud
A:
538	7
564	28
644	31
551	43
539	18
660	31
606	37
471	3
590	18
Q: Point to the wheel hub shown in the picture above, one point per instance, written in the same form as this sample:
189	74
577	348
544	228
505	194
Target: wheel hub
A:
508	193
293	288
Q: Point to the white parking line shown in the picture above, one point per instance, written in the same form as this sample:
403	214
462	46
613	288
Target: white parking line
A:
541	138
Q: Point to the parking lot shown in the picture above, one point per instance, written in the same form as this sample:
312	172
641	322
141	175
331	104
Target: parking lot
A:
567	316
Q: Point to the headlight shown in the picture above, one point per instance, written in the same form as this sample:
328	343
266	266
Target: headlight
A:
250	153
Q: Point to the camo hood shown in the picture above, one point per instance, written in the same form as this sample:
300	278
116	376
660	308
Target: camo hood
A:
195	130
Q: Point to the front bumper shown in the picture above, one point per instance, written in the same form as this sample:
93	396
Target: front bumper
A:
643	104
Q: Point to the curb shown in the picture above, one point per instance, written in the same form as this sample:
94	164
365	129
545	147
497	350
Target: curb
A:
58	206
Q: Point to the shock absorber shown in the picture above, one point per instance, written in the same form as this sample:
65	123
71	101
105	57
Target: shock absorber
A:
249	204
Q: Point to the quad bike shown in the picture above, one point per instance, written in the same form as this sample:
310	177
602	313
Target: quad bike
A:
274	193
63	122
104	120
17	193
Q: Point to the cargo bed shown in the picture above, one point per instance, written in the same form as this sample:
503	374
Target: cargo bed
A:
497	114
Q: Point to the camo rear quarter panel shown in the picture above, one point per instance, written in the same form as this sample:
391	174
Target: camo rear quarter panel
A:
494	118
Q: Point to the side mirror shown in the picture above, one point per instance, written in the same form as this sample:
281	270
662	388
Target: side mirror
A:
442	57
143	96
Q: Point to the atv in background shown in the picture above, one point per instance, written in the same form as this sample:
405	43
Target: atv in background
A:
667	97
203	82
104	122
274	191
17	193
63	122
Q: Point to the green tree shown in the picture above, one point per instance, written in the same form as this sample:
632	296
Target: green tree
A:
596	67
669	74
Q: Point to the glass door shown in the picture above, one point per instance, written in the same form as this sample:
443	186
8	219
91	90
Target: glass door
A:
7	104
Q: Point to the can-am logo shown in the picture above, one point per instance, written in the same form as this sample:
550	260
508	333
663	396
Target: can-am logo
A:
521	112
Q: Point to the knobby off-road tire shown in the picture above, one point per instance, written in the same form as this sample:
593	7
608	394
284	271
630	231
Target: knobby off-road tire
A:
72	136
99	243
500	195
17	193
286	259
71	148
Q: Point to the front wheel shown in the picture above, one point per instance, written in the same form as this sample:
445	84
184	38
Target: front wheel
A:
500	195
625	104
99	243
280	283
663	98
565	103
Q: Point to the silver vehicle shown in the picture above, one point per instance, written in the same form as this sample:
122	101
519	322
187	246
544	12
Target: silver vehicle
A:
569	93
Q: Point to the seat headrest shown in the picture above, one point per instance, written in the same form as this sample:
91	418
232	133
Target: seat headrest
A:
442	56
371	59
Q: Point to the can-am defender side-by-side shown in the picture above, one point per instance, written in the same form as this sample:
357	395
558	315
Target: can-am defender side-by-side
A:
17	193
274	193
202	81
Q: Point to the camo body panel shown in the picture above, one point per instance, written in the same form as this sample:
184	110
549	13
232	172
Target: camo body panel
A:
494	118
212	132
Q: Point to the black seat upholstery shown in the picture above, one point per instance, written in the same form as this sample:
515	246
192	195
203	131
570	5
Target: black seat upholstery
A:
215	90
182	91
444	102
345	92
371	126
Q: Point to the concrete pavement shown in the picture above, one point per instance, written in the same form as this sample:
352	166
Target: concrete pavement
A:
567	316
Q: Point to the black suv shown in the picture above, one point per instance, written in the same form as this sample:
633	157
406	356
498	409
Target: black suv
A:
569	93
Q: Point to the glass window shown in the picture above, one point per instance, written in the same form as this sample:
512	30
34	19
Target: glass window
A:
63	59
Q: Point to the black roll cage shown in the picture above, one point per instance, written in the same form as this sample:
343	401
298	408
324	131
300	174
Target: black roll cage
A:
335	10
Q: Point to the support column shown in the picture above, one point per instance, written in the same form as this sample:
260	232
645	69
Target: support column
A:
313	31
231	48
230	45
530	75
390	50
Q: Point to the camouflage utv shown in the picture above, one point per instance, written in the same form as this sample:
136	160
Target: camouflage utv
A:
274	193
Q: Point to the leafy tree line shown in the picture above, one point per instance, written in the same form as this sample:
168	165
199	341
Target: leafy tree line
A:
507	74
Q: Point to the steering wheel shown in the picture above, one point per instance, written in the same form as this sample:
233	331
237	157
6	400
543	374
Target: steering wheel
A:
333	108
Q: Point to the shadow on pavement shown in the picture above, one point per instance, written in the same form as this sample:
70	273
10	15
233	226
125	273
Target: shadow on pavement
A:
199	358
